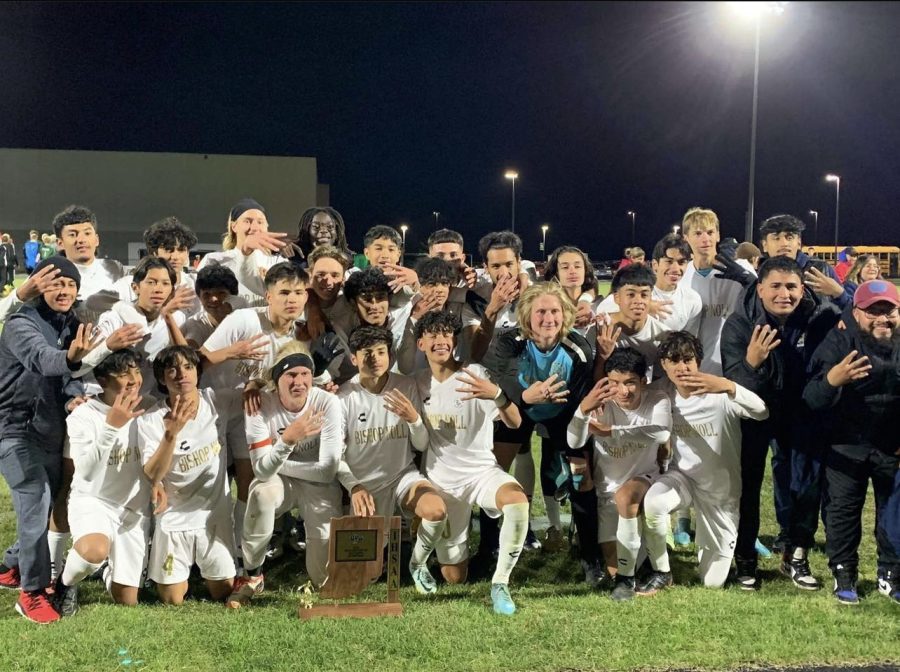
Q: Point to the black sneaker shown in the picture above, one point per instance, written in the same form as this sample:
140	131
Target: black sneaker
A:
889	583
65	598
624	588
746	574
531	541
845	585
782	542
595	573
796	566
654	583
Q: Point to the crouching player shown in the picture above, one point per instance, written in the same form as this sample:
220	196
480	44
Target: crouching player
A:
381	420
295	444
109	504
461	405
628	422
181	444
705	471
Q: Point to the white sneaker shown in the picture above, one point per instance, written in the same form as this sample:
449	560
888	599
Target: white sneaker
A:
425	583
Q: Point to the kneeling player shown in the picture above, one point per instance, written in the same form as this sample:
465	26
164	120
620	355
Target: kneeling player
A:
705	471
628	422
181	445
109	503
295	445
461	405
382	419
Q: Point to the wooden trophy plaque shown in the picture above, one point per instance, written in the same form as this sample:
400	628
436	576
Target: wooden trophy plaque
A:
355	560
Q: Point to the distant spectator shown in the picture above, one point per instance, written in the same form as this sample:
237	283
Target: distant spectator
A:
748	252
843	266
48	246
32	251
633	255
811	251
10	261
866	268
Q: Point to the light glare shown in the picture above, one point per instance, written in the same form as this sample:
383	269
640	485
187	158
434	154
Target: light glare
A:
511	175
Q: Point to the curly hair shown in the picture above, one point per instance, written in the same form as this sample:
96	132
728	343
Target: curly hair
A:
367	281
214	277
526	302
74	214
626	360
551	272
439	322
680	346
168	234
367	335
307	244
435	271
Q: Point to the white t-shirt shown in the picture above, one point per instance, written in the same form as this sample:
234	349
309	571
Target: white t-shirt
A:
686	308
377	446
410	359
312	459
460	433
249	271
107	459
706	433
632	448
719	298
197	482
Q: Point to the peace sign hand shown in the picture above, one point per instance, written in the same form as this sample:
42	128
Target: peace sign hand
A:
123	409
82	344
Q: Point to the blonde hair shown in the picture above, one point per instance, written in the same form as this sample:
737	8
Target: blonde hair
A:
328	252
861	260
526	302
635	252
291	348
700	217
229	240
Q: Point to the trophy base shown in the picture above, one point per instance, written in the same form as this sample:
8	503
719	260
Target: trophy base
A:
357	610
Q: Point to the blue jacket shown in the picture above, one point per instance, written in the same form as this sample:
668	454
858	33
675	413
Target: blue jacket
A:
32	252
35	376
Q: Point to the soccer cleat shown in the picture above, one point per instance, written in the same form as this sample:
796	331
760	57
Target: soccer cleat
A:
796	566
35	606
594	573
9	577
502	600
654	583
761	549
745	574
425	583
682	533
623	590
65	598
531	541
889	583
845	585
245	587
554	540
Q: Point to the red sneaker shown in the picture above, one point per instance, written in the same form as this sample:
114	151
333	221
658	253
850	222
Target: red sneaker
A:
9	577
35	606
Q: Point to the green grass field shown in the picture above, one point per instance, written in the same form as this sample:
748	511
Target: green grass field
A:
560	625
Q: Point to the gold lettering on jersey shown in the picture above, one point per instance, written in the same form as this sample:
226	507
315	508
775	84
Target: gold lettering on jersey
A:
248	370
376	434
625	449
706	430
199	457
120	456
447	421
305	447
716	310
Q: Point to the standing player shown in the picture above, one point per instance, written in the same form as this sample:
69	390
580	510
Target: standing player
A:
381	423
460	407
295	443
705	471
217	290
181	445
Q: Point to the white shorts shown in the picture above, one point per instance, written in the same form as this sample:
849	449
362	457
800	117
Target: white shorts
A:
211	548
318	503
716	521
389	498
128	533
482	489
608	512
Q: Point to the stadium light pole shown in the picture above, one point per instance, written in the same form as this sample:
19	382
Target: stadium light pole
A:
630	213
403	230
815	214
437	217
544	240
513	175
831	177
755	11
676	228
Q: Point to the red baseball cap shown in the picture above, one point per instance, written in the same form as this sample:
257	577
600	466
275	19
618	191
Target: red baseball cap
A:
874	291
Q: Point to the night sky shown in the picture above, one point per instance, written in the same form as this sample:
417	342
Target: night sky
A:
411	108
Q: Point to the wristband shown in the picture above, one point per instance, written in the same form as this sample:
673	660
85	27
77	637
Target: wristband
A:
501	400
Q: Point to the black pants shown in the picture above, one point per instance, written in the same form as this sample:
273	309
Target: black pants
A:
847	473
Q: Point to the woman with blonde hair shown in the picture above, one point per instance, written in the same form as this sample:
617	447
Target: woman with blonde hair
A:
546	368
866	268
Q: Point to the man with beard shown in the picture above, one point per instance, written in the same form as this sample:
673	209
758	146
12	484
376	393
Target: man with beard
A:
855	382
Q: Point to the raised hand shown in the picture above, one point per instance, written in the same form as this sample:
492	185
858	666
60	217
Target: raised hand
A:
608	334
583	314
475	387
125	336
850	368
308	424
362	502
706	383
594	400
468	275
661	309
504	293
83	343
325	351
400	277
38	283
731	270
269	242
397	403
181	299
546	392
763	341
179	415
255	348
426	304
821	283
251	398
123	409
75	402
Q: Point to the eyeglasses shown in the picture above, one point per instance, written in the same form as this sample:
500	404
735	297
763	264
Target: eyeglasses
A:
874	312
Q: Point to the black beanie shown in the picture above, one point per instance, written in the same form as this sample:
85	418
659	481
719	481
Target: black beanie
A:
243	205
67	268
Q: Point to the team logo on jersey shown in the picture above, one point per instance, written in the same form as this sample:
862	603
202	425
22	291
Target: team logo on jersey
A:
184	446
280	431
362	417
427	401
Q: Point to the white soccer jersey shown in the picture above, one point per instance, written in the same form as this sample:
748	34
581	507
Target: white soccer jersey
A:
197	482
123	288
632	448
312	459
377	443
249	271
460	433
107	459
706	433
719	298
686	308
506	318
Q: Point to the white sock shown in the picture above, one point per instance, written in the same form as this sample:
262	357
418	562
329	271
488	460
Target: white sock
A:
77	568
58	542
553	515
655	529
628	543
238	513
512	537
523	472
427	536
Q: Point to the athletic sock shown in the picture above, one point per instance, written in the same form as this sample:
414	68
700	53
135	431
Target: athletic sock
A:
523	472
58	542
656	527
512	537
77	568
628	543
238	513
553	514
427	536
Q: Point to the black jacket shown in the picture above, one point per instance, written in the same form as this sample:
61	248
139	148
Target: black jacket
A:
863	412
